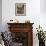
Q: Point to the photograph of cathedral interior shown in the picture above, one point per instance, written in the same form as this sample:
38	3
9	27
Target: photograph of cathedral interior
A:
22	23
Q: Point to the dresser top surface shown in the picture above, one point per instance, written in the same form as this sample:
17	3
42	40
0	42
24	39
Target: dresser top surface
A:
19	23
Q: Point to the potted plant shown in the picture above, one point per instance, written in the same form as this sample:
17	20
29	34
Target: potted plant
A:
41	36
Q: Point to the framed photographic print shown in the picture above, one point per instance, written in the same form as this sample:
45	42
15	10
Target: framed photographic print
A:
20	9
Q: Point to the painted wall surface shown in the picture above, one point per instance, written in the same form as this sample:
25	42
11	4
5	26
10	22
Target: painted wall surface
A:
43	6
0	15
33	13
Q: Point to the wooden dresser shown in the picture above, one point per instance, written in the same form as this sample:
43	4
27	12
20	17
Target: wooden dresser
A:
22	33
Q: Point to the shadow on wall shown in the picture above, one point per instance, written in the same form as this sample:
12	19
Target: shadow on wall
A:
0	15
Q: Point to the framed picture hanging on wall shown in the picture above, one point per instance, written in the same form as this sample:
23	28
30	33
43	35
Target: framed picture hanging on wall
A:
20	9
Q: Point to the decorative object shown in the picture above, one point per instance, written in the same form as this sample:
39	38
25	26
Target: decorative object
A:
7	38
45	34
27	21
13	21
1	40
41	36
20	9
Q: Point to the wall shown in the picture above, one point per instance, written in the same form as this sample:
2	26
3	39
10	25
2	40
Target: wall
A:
33	13
43	6
43	14
0	15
